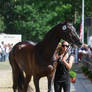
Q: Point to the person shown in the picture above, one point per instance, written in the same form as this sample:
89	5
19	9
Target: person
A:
0	53
76	55
3	51
64	64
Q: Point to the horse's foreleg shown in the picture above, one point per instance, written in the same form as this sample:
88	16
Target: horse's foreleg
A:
50	82
36	82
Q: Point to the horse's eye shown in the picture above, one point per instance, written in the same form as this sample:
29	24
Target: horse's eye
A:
64	27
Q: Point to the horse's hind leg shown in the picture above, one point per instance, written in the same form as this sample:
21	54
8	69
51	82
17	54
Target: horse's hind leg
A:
18	78
27	80
14	72
15	78
21	81
15	82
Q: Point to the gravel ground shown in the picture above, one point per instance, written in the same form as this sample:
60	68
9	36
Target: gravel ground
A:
6	79
6	82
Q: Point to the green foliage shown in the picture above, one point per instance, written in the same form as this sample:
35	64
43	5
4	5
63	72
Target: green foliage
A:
88	8
84	69
90	75
2	26
34	18
72	74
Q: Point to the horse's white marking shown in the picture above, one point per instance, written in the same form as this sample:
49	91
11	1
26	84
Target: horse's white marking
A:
64	27
21	46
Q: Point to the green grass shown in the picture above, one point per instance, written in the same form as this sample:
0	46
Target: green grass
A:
5	65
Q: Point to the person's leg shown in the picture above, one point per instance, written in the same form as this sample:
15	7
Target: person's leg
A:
57	86
66	86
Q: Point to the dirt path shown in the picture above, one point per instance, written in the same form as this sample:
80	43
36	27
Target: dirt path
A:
6	82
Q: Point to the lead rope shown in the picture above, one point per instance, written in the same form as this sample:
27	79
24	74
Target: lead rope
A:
69	48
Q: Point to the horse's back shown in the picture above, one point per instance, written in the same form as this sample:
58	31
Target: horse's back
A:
23	46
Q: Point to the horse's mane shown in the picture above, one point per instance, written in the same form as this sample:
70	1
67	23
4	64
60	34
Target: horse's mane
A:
51	33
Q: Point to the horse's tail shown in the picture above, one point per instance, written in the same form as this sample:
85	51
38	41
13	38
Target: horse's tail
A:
16	71
21	79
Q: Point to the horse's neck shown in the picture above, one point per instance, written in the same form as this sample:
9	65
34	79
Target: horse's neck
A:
48	45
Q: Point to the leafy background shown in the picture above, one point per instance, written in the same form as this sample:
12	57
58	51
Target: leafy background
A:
34	18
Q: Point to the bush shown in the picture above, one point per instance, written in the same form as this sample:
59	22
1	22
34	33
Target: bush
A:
72	74
84	69
90	75
87	72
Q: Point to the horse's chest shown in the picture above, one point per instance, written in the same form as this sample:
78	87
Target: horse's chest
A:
45	70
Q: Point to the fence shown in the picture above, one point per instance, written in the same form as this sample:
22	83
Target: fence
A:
87	61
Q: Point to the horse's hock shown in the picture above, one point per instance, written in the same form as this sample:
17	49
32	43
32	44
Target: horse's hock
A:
6	82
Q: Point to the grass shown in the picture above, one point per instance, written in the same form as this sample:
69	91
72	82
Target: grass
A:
5	65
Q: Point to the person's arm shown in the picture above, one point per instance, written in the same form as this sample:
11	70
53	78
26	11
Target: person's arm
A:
70	63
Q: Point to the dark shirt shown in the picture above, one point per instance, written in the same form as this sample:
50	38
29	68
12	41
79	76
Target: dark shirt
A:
62	73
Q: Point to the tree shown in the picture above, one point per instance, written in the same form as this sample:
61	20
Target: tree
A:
34	18
2	26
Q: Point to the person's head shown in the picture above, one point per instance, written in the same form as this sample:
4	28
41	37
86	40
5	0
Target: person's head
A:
65	45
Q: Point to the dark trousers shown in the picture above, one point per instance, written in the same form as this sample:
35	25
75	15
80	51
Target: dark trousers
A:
59	85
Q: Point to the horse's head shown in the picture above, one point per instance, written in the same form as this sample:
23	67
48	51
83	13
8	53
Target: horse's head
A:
68	33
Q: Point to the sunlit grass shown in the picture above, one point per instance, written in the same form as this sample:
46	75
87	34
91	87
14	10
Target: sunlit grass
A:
5	65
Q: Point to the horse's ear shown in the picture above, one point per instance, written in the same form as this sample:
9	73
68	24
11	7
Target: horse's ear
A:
64	27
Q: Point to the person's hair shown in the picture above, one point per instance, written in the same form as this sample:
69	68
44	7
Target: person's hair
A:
64	42
60	51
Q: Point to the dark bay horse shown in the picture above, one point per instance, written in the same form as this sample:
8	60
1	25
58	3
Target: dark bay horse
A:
27	58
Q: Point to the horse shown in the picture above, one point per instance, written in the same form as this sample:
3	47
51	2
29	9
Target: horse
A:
28	59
